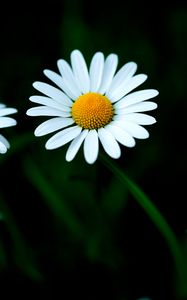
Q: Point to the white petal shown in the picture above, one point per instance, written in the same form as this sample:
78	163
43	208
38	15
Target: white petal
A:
126	72
142	106
133	129
126	87
49	102
4	141
69	78
65	69
120	135
138	118
66	86
56	78
70	89
80	71
108	72
75	145
52	125
91	146
7	122
2	105
96	71
3	148
136	97
7	111
63	137
109	143
46	111
52	92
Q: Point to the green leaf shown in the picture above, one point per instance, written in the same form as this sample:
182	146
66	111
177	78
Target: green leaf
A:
22	255
52	198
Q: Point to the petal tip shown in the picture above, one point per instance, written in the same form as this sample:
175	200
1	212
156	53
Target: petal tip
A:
14	122
75	52
68	158
46	71
90	162
37	133
47	146
156	93
35	84
28	112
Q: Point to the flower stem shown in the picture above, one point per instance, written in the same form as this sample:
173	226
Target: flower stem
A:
158	220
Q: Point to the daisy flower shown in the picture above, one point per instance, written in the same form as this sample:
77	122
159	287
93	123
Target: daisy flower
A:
5	122
93	105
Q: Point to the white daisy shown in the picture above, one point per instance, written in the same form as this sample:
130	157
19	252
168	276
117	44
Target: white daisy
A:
5	122
93	105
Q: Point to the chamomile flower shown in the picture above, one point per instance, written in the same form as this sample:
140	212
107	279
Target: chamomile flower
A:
5	122
93	105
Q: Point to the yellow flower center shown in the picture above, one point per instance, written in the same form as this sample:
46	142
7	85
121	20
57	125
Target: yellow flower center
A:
92	111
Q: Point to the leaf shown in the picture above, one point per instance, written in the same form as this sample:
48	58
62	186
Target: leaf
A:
52	198
22	255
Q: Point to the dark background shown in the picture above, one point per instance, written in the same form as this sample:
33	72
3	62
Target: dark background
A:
40	254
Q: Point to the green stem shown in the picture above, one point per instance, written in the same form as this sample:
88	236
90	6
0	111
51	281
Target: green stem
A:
158	220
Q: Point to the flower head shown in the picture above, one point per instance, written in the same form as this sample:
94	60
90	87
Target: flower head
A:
5	122
93	105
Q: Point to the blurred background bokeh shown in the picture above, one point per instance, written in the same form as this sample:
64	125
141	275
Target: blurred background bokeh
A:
71	229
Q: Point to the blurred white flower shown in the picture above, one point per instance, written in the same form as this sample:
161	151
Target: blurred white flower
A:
93	105
5	122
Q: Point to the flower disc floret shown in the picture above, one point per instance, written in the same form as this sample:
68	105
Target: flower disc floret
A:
92	111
